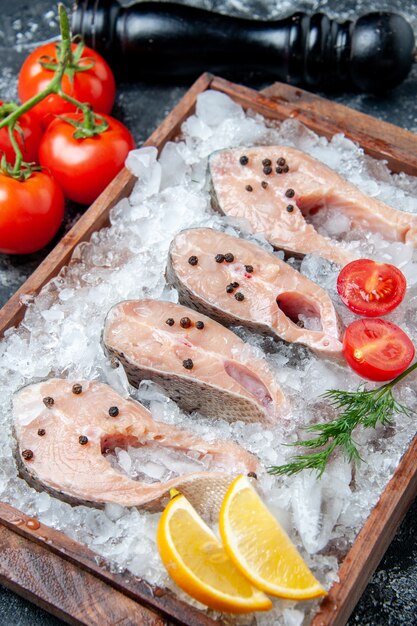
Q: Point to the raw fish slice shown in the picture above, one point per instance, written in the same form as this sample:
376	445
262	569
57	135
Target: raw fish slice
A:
274	294
315	185
80	473
201	369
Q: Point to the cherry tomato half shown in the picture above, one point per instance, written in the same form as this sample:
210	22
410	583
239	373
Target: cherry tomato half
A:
31	212
376	349
371	289
84	167
28	133
95	85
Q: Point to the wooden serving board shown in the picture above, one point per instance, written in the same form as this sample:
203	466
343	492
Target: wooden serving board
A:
67	578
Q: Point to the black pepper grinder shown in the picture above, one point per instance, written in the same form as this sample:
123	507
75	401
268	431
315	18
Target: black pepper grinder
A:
156	39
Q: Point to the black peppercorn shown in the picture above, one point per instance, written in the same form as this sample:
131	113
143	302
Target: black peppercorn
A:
41	432
113	411
48	401
27	454
77	389
290	193
267	170
199	325
235	285
249	268
281	161
290	208
252	475
188	364
185	322
170	321
249	188
244	160
266	162
82	439
229	258
285	169
193	260
219	258
264	184
230	288
278	170
239	296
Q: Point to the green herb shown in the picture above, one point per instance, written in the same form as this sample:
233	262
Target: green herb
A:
365	407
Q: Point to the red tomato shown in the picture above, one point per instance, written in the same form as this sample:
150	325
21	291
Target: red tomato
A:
371	289
377	349
28	138
84	167
31	212
95	85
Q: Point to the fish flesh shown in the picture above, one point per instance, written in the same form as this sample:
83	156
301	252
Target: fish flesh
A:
276	189
274	298
199	363
67	430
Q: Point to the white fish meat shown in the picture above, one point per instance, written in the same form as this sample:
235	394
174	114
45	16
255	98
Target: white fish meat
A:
64	439
198	362
271	298
259	184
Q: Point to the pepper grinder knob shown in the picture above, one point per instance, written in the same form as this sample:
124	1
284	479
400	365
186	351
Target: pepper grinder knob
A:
382	51
375	53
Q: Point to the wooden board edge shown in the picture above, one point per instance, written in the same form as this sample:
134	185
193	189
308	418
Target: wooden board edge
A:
371	542
170	125
63	589
159	600
97	215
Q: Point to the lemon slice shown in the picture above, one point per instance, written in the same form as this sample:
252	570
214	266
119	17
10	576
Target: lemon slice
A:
198	563
260	548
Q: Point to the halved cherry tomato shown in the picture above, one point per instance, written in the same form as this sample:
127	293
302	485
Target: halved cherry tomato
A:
31	212
376	349
95	85
28	133
371	289
84	167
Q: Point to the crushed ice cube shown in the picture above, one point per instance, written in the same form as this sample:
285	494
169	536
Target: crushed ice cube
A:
172	164
143	164
213	107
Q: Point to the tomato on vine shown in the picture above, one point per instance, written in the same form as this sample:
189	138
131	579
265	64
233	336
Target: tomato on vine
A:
87	78
27	133
31	212
84	152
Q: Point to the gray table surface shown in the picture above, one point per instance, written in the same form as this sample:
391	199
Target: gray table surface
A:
390	597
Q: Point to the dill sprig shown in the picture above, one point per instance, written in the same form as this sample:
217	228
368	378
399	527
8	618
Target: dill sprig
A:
365	407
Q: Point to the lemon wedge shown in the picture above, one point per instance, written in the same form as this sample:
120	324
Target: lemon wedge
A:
260	548
198	563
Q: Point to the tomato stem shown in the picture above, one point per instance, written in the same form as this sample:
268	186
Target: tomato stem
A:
6	108
64	24
18	152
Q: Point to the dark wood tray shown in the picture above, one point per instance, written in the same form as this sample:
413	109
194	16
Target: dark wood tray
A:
68	579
